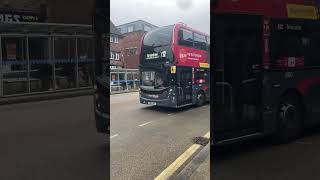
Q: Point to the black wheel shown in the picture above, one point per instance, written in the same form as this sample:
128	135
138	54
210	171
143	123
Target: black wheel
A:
200	99
289	119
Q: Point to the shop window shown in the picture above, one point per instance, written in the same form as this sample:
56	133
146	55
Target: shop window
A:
65	63
41	78
85	62
14	66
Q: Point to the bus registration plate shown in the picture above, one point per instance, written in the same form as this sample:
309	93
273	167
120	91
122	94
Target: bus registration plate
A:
152	103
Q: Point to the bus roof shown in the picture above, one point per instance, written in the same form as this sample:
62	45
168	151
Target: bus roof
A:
180	24
274	9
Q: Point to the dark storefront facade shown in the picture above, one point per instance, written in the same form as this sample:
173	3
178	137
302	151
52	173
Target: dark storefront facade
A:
36	61
41	56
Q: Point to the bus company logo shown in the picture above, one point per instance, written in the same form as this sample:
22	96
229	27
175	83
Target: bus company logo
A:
164	54
183	55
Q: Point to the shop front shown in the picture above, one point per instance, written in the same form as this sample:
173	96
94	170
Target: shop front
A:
45	57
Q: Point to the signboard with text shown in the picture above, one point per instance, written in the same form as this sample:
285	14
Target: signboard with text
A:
9	17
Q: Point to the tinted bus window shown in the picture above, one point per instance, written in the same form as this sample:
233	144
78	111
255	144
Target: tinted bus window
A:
185	38
284	45
158	37
311	46
200	41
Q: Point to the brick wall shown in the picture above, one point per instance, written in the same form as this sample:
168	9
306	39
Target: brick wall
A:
131	40
116	47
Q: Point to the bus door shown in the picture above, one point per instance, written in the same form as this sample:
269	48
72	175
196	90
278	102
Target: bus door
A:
184	88
237	76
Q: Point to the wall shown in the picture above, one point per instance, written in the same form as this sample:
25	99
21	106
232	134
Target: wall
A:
22	4
117	47
131	40
70	11
58	11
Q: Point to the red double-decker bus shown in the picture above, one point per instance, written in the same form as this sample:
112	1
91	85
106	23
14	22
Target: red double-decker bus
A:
174	67
266	72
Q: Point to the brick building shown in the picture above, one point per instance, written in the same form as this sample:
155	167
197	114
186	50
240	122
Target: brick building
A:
116	55
130	43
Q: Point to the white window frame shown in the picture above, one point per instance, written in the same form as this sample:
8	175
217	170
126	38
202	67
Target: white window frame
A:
117	56
129	27
116	39
111	55
111	38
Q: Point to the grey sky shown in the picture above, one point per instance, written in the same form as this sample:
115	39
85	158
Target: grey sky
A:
195	13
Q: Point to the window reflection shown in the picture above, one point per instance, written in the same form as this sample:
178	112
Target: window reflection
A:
65	63
14	65
41	78
85	61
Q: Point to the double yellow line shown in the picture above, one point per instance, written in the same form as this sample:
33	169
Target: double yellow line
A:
180	161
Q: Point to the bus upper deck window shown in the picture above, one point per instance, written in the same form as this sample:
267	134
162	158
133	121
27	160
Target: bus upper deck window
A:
185	38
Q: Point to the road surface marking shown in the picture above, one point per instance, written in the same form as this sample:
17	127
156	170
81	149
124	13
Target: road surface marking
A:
145	123
170	170
114	136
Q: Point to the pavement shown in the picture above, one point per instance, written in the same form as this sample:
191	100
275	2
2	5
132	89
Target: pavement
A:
52	140
261	159
146	140
198	168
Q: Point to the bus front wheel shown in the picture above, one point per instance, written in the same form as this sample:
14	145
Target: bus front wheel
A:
290	119
200	99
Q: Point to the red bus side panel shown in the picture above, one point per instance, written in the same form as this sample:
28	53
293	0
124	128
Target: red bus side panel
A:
186	56
269	8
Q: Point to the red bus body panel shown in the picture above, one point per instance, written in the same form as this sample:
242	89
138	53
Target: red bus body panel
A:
267	8
186	56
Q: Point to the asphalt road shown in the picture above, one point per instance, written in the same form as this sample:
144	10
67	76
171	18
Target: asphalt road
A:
52	140
147	139
263	160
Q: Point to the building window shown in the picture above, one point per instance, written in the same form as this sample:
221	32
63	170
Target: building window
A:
111	38
130	28
131	51
117	56
147	28
111	55
116	40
